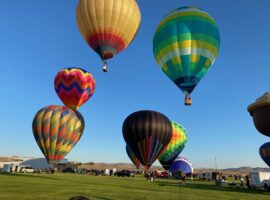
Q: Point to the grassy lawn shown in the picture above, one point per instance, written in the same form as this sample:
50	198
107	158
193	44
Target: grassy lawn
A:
63	186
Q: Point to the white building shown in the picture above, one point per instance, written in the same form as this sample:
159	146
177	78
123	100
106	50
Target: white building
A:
36	163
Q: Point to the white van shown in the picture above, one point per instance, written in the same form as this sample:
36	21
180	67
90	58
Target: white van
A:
27	169
260	180
6	168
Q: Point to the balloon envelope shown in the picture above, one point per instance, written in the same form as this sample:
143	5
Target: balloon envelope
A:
132	157
74	86
57	129
147	133
108	26
175	146
182	164
185	45
265	153
260	111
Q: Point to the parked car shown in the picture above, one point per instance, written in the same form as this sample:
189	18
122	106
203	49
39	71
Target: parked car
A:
124	173
69	169
27	169
163	174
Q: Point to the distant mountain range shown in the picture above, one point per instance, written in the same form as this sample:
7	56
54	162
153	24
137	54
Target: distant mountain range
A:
10	159
239	170
250	169
119	166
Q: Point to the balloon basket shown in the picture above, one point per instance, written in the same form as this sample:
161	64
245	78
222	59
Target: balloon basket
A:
105	68
188	101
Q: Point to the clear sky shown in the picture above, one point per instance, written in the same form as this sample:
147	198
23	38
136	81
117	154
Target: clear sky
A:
38	38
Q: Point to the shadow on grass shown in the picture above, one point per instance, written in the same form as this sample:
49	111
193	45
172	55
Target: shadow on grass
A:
100	197
28	175
197	186
124	186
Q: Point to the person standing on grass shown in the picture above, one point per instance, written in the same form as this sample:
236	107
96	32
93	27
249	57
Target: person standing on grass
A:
151	176
184	179
248	183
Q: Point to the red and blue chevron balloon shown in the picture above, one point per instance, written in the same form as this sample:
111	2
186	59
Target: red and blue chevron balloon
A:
74	86
57	129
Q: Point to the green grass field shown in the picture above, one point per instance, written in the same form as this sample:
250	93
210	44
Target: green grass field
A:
63	186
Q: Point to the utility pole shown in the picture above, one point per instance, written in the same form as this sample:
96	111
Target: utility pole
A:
216	162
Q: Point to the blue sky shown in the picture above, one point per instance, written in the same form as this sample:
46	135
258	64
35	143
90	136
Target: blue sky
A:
38	38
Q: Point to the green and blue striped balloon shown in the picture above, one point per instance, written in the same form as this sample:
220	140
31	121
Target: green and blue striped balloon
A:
185	45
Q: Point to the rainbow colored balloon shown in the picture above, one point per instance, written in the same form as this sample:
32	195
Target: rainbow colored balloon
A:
175	146
74	86
265	153
57	129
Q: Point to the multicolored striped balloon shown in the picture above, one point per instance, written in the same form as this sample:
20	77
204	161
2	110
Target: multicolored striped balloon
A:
57	129
265	153
74	86
108	26
175	146
132	157
185	45
147	133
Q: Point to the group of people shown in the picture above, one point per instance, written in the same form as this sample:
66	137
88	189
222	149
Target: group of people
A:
149	176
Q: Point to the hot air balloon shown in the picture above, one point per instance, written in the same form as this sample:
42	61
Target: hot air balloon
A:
185	45
147	133
175	146
74	86
108	26
181	164
57	129
132	157
265	153
260	111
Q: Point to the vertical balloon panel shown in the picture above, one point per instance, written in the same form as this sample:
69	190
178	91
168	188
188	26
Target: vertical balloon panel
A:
132	157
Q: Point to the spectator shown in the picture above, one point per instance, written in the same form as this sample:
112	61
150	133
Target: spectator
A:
152	176
248	182
184	179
